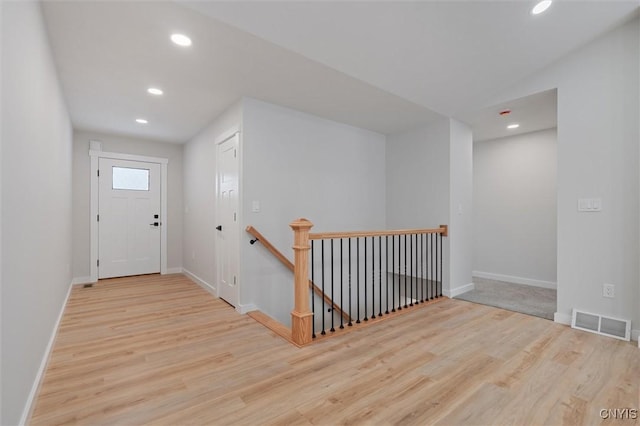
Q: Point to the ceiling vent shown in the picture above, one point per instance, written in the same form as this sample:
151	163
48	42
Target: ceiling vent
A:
599	324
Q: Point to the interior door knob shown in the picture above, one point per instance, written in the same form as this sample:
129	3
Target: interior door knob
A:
219	227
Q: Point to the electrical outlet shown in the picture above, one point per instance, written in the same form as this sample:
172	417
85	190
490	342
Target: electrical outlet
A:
608	290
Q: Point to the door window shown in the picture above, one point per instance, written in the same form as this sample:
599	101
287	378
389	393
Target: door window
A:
130	179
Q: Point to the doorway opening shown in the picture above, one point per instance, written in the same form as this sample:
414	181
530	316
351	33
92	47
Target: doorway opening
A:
515	205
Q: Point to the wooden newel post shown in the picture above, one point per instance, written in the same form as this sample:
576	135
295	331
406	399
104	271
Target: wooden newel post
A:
301	316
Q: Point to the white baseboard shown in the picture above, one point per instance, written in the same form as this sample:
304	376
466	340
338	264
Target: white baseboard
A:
561	318
81	280
177	270
515	280
458	290
202	283
243	309
26	413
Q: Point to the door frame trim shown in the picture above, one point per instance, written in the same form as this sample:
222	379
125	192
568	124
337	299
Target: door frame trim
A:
95	157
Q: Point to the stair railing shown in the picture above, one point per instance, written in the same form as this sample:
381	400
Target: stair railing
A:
366	275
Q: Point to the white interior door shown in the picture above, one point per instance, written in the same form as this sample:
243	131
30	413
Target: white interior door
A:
227	213
128	218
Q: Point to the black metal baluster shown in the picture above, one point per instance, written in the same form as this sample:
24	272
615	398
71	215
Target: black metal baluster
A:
380	273
323	293
428	270
426	266
425	281
332	302
418	285
386	252
418	289
422	268
399	272
405	270
425	296
373	277
365	280
421	296
393	273
313	298
440	235
350	316
415	268
410	269
341	286
426	259
429	287
358	279
415	254
432	280
435	267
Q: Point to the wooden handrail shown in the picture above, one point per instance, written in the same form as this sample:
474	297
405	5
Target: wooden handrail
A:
443	229
274	251
286	262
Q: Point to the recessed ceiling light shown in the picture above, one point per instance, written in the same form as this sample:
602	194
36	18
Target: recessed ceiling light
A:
181	40
155	91
141	121
541	7
513	126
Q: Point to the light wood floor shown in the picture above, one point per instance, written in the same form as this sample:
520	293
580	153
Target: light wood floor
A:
161	350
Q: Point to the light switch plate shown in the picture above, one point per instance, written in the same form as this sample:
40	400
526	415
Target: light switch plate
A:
590	205
255	206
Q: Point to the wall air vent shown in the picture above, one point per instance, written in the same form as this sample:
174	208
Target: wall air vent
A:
599	324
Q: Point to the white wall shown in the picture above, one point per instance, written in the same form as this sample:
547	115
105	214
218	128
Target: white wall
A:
299	165
598	156
36	202
514	207
417	179
82	194
460	207
199	182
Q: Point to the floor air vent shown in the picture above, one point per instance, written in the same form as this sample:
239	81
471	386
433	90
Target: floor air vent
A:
612	327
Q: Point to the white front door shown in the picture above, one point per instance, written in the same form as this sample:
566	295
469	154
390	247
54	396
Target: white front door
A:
128	218
227	213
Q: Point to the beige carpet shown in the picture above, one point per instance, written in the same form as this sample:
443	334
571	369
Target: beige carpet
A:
526	299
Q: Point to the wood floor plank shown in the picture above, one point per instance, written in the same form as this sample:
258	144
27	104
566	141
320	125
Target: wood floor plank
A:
160	350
